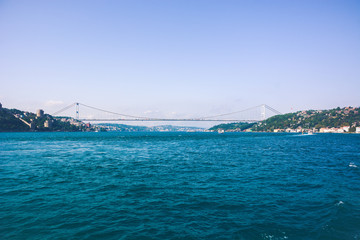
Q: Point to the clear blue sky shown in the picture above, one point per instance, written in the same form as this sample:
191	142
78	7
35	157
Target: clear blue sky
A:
181	58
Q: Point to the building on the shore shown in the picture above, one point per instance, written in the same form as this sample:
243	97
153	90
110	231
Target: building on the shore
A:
324	130
346	128
335	130
40	113
48	124
289	130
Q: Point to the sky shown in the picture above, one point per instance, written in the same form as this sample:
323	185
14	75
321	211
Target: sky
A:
179	58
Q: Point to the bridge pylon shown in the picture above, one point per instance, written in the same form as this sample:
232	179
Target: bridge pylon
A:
77	110
263	111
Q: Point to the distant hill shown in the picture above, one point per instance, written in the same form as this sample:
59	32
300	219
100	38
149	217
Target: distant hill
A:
14	120
9	123
307	120
312	119
231	127
121	127
171	128
161	128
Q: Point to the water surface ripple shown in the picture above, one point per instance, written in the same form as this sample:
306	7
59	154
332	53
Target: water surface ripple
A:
179	186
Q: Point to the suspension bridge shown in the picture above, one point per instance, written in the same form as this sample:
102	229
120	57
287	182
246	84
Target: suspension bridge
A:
253	114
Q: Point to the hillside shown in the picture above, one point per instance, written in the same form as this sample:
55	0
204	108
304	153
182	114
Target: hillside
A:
310	120
14	120
9	123
130	128
232	127
121	127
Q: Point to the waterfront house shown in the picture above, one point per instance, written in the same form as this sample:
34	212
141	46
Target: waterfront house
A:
345	128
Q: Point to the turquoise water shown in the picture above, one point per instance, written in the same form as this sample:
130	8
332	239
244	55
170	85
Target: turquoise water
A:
179	186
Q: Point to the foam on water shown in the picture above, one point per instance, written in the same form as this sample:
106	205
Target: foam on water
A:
352	165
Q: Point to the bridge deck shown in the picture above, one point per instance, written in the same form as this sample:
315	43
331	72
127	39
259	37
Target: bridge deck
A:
166	120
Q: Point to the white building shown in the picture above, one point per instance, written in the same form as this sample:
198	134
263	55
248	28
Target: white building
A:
48	124
289	130
346	128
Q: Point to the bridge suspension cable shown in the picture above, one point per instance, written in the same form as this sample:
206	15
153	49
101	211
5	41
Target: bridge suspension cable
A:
102	110
225	114
63	109
95	108
272	109
141	118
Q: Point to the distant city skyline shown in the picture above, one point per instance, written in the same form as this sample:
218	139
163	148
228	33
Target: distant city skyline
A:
179	58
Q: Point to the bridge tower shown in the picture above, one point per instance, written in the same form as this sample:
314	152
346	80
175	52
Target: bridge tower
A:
263	112
77	110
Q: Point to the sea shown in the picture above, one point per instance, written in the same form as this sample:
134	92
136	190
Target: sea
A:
175	185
